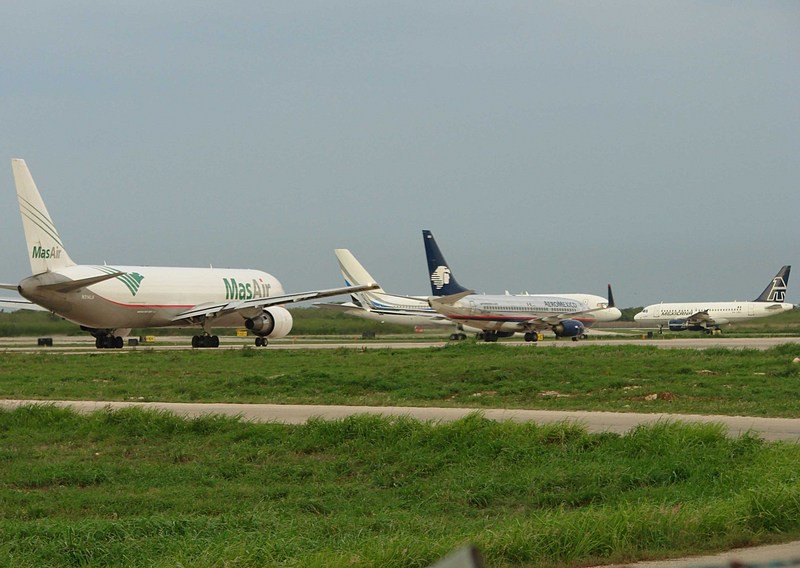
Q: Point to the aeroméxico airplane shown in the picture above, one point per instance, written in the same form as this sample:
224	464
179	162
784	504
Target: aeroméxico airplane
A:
107	301
379	305
708	316
566	315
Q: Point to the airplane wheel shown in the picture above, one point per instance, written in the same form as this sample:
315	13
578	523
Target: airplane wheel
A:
196	341
98	342
574	339
118	342
214	341
261	341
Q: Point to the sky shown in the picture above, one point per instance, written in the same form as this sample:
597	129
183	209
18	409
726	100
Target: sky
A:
549	146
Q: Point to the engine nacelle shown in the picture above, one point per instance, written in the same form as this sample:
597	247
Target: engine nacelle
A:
677	325
274	322
682	325
569	328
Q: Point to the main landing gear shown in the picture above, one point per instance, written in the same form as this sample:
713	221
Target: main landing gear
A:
105	338
108	341
531	336
488	336
261	341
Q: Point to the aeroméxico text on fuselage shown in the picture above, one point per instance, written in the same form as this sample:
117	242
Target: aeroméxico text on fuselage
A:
566	315
709	316
107	301
385	307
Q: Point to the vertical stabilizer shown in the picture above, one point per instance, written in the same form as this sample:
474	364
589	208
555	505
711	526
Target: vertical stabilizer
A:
45	249
352	270
611	303
776	290
443	283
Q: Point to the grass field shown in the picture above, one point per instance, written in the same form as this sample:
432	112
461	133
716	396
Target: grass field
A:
613	378
135	488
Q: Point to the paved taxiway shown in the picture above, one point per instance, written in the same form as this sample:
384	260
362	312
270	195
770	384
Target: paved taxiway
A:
787	429
86	344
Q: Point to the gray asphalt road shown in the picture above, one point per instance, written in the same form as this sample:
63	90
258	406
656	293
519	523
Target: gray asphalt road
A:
85	344
768	428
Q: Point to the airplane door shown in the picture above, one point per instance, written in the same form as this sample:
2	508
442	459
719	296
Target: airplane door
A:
750	309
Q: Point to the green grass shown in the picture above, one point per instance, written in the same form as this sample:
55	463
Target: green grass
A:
612	378
138	488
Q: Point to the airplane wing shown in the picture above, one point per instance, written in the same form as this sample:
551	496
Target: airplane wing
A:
215	310
350	307
341	307
555	319
701	318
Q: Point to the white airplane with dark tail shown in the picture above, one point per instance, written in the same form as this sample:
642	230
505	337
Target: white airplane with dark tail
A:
709	316
107	301
565	315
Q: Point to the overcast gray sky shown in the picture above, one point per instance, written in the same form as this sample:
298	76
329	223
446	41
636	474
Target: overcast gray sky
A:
549	146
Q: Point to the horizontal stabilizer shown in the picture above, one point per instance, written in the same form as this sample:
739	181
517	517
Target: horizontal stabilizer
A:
449	300
72	285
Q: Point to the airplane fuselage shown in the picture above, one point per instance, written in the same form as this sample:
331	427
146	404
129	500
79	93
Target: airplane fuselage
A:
415	310
721	313
511	313
145	296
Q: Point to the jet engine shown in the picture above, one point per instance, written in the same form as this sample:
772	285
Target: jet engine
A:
682	325
677	325
274	322
569	328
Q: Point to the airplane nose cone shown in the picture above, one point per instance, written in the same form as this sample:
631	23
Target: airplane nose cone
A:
636	317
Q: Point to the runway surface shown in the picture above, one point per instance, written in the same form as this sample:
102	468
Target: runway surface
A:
85	344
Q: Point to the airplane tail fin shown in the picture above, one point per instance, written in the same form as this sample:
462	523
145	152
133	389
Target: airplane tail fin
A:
45	249
443	283
776	290
356	275
353	272
611	303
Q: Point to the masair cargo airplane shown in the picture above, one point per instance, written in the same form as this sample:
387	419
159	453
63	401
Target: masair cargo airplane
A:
566	315
708	316
107	301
